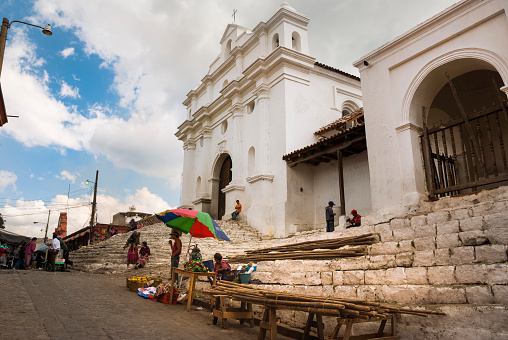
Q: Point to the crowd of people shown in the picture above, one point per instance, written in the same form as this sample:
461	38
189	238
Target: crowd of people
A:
25	255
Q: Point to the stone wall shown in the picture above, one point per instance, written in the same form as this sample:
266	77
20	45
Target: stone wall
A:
449	252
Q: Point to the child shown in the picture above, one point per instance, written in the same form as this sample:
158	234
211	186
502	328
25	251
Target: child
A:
221	267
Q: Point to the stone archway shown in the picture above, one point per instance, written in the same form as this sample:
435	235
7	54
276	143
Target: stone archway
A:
222	176
462	114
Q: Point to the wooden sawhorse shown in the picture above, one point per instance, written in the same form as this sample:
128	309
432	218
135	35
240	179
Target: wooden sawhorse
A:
219	309
379	335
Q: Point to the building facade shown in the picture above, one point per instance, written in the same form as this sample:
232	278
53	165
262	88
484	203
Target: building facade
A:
435	101
264	97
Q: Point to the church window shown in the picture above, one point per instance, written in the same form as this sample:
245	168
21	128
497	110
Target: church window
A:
296	42
251	163
349	106
228	49
275	41
224	127
198	186
251	106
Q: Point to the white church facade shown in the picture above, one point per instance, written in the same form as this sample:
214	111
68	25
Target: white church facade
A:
284	134
263	98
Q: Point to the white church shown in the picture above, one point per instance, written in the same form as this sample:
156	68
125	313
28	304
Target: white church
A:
284	134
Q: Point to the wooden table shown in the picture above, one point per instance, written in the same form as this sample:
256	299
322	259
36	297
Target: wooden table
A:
192	283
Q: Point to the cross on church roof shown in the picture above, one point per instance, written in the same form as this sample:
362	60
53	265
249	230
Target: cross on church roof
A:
234	15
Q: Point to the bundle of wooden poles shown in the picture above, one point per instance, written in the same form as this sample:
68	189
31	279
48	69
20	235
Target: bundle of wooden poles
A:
330	306
310	250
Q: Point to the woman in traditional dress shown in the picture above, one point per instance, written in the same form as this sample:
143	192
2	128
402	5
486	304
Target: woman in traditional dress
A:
4	250
221	267
144	252
132	254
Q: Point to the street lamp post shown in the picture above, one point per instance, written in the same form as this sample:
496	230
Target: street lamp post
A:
3	40
3	35
47	225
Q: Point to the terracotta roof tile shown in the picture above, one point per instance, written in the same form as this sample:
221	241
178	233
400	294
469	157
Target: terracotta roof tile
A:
340	122
323	141
337	71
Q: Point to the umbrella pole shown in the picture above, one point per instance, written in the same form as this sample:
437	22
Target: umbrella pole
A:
190	239
187	252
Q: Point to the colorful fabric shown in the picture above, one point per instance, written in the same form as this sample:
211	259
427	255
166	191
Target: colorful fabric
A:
195	266
142	261
357	220
144	251
221	265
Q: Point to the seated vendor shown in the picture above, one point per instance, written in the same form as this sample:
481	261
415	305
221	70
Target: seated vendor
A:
221	267
356	221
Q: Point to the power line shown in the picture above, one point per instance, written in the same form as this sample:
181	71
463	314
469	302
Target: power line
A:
43	212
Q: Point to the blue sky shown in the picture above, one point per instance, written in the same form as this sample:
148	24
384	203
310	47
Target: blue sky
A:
104	92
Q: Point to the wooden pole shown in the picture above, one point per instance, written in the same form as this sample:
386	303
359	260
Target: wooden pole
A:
341	183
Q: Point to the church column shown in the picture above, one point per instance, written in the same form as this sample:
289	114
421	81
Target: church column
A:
238	157
263	42
188	174
412	176
206	163
239	65
263	107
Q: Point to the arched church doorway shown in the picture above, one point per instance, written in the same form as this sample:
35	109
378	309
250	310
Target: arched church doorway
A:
225	175
465	129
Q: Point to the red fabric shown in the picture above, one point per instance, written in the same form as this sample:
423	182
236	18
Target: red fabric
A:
132	255
356	219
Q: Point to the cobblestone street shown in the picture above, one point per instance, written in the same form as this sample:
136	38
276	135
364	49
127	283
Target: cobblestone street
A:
73	305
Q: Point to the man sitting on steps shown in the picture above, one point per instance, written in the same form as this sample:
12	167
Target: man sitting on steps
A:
238	209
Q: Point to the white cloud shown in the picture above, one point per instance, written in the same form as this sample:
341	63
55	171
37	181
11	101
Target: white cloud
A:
158	51
75	78
7	178
67	90
21	215
67	52
66	175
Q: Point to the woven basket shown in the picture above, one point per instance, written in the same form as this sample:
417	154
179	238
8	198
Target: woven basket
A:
134	285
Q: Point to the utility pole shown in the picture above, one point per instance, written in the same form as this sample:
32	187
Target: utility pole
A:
94	207
3	40
47	225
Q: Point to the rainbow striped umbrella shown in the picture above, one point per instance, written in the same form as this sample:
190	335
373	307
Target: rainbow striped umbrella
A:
196	223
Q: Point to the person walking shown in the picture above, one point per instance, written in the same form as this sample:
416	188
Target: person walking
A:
20	264
65	250
330	217
55	248
238	210
29	251
176	250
